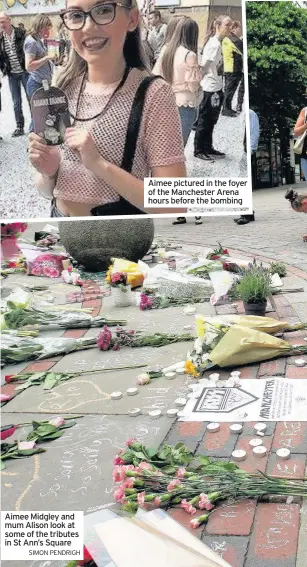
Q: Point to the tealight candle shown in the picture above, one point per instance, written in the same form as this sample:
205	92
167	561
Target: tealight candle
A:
255	442
180	402
283	453
214	377
260	451
238	455
235	374
300	362
213	427
172	412
155	414
170	375
116	395
180	371
260	427
132	391
236	428
134	412
187	327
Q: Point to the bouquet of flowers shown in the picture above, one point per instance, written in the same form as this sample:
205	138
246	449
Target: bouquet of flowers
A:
119	280
160	301
13	229
218	253
107	340
220	343
166	478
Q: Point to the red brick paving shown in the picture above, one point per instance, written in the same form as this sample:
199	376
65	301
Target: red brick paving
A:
236	519
274	536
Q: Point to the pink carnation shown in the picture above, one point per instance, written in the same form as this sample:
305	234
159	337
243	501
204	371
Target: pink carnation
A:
157	501
195	523
204	502
173	484
128	483
188	507
181	472
145	466
118	461
118	474
141	498
119	494
130	441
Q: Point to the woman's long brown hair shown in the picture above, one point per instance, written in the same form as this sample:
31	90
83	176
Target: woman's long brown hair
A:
185	34
40	22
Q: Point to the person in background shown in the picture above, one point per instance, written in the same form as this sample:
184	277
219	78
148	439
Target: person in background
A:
212	85
300	128
22	27
38	62
254	141
149	54
178	65
232	49
157	33
298	204
237	29
12	64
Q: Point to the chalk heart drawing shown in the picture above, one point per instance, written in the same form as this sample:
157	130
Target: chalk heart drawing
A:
67	397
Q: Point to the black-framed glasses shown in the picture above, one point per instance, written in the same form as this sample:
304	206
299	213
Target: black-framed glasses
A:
101	14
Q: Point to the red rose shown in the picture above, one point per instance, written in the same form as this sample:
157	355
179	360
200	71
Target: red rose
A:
9	378
215	257
12	265
225	252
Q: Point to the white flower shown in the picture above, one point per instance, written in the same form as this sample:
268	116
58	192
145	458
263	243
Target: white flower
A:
143	379
230	383
205	357
25	445
198	346
57	421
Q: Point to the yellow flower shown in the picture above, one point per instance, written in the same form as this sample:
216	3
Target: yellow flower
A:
200	327
109	274
190	368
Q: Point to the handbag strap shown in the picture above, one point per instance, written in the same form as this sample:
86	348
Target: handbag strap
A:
134	123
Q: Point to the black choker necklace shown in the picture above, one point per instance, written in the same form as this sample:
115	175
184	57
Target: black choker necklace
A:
121	84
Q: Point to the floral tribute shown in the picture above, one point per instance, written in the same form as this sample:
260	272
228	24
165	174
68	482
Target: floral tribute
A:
156	301
42	431
218	253
13	229
119	280
107	340
169	477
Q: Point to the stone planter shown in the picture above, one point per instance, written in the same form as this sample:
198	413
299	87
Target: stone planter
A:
255	308
93	243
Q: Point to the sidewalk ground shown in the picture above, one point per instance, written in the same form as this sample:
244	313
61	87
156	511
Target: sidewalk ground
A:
75	472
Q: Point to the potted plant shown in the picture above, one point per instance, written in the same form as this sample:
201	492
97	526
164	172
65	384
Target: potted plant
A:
121	291
254	288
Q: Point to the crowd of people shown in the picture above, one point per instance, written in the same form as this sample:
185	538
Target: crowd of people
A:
130	119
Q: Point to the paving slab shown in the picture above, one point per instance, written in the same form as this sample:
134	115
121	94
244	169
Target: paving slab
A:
75	472
90	393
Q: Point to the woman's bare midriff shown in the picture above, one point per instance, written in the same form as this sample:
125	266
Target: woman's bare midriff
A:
73	209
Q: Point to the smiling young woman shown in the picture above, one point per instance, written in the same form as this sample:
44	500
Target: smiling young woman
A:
126	124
